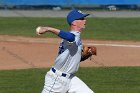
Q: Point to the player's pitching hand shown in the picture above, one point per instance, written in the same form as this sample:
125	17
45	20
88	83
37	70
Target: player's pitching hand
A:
41	30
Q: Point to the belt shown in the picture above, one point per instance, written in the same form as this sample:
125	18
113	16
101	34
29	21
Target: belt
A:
62	74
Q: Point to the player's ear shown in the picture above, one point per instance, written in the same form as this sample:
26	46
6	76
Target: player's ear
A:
73	23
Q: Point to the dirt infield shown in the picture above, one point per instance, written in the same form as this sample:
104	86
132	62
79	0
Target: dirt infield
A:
24	52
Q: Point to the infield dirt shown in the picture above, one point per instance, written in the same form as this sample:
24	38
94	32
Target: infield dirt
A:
23	52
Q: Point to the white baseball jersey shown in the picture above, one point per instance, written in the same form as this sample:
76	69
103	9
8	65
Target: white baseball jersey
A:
67	61
69	55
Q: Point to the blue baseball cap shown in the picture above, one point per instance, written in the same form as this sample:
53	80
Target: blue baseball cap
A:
75	15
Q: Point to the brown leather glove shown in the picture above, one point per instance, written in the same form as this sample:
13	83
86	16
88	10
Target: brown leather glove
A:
88	51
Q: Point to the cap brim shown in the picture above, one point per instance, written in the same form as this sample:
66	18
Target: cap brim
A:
84	15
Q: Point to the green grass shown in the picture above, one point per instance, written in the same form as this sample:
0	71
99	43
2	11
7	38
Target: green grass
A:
99	79
97	28
22	81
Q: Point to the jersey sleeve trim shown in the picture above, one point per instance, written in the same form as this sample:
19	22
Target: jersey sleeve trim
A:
67	36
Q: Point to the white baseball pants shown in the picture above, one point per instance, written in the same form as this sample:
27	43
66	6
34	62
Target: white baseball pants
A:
55	83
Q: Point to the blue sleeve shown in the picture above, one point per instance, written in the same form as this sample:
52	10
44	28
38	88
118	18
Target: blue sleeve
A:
67	36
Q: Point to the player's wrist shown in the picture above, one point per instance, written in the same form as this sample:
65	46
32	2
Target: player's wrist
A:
47	29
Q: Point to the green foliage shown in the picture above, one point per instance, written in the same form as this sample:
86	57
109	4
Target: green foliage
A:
97	28
99	79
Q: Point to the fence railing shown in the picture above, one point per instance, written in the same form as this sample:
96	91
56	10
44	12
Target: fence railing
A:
68	2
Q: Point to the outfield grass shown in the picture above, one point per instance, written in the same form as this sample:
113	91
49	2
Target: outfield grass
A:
99	79
97	28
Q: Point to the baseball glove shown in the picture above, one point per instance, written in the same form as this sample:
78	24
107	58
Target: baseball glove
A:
87	52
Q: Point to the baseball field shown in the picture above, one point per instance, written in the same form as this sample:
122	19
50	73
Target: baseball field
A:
25	57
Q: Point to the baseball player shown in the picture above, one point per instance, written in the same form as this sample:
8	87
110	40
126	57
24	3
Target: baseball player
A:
61	77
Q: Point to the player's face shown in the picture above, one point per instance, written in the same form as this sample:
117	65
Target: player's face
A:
80	23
